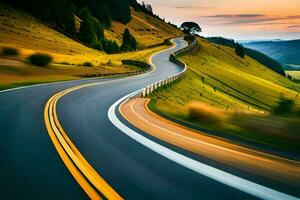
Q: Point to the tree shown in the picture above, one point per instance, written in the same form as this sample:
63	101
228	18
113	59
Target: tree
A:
129	42
239	50
120	10
110	46
87	33
98	29
285	106
190	28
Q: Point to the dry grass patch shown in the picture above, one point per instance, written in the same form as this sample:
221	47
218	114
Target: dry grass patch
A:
206	113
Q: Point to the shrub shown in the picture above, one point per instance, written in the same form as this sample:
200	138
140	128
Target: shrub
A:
87	64
40	59
289	77
205	113
9	51
285	106
110	46
65	63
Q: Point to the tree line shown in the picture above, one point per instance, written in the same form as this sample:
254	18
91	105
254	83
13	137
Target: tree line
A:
95	15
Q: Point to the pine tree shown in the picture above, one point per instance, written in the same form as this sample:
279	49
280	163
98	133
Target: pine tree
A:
133	43
129	42
239	50
120	10
110	46
65	16
99	30
87	33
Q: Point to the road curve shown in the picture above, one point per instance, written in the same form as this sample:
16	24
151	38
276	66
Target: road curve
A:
282	170
32	169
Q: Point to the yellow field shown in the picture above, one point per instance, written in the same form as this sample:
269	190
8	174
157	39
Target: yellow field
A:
24	32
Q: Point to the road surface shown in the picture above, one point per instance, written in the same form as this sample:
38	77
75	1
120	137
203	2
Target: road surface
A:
32	169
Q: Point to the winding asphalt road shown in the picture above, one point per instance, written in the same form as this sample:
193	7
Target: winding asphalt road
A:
30	167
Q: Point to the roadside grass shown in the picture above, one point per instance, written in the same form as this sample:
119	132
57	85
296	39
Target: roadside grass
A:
28	36
275	131
241	87
16	76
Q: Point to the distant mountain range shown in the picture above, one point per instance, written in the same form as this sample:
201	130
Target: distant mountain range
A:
286	52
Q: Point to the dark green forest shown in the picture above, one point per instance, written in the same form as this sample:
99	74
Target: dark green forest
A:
260	57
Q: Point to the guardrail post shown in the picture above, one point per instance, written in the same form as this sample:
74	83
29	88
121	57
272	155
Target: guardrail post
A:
144	93
148	90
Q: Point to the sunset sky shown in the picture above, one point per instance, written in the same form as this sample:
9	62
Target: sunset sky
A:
237	19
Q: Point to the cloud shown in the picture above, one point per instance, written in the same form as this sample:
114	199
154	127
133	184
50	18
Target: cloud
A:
250	18
294	26
236	16
293	17
193	7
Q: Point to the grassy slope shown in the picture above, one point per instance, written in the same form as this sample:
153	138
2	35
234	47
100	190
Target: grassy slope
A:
239	82
146	29
242	84
22	31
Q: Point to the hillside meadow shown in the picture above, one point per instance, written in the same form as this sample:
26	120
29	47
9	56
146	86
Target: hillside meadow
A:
238	87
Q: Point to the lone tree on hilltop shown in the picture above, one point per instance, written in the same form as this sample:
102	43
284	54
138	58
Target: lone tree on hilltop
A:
240	50
190	28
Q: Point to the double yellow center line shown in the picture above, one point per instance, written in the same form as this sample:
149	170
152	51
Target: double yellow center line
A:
86	176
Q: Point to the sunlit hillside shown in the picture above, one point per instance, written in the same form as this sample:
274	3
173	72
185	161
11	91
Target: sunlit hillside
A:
29	35
147	29
21	30
217	76
238	96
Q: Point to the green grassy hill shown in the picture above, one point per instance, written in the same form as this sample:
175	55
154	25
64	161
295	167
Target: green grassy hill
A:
239	88
269	62
238	82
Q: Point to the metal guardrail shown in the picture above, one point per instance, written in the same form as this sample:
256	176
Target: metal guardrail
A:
145	68
150	88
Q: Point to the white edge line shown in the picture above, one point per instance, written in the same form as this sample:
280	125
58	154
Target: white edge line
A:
228	179
196	166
